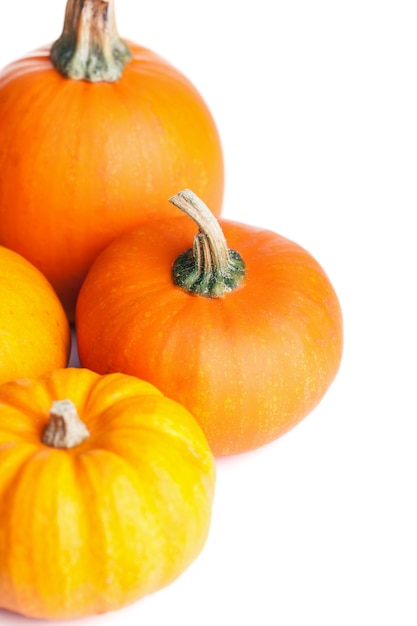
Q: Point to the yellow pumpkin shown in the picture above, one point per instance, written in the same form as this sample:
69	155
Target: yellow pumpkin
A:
34	329
106	489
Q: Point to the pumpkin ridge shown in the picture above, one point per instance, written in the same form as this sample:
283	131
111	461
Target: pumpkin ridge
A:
104	419
183	444
24	421
10	500
55	547
161	467
154	414
116	388
104	566
24	453
95	527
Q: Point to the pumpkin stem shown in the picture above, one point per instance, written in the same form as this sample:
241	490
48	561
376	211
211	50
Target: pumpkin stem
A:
90	47
64	429
209	268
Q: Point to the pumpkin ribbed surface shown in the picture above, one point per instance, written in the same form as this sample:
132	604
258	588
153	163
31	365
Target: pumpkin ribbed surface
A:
92	528
82	162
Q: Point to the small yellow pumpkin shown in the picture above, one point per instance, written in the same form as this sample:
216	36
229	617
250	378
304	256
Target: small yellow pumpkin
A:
34	330
106	489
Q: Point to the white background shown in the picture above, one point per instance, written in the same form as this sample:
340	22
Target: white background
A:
316	103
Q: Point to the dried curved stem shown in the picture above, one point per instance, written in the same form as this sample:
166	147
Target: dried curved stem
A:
209	268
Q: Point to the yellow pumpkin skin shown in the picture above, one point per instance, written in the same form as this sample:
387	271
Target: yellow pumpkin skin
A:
34	330
92	528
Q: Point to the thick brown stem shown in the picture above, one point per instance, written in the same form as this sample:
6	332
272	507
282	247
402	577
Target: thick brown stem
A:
210	268
64	429
90	47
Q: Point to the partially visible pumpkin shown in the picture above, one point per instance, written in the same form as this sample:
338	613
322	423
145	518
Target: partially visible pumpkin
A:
247	337
106	489
95	134
34	330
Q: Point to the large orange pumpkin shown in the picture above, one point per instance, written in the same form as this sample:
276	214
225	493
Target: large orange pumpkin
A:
34	330
106	489
248	338
95	134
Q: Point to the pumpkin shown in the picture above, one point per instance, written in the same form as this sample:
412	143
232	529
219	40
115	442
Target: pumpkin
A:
34	330
106	491
95	134
247	337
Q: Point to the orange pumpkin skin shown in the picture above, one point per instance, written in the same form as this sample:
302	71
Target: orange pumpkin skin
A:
83	162
34	330
249	365
95	527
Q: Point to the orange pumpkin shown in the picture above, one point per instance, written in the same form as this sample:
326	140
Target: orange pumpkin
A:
34	330
95	134
248	338
106	491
